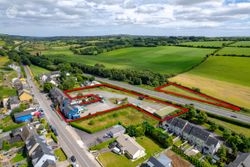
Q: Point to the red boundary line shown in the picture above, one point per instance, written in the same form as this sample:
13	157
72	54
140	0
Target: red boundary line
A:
218	102
183	110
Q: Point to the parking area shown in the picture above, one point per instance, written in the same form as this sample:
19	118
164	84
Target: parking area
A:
115	99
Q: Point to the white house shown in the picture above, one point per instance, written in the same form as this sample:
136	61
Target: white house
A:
130	147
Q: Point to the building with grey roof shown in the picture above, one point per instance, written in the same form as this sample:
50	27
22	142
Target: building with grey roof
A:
13	102
160	161
117	130
197	136
39	152
242	160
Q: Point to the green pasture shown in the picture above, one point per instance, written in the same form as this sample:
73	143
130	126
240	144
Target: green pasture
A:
164	59
225	68
36	70
241	43
206	43
234	51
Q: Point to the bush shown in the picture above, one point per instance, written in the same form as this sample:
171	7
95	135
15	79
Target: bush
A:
75	125
53	136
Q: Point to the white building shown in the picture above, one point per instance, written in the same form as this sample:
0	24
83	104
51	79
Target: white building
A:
130	147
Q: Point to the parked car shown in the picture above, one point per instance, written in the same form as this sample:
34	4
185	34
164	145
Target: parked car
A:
73	158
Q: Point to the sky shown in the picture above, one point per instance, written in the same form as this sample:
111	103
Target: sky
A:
134	17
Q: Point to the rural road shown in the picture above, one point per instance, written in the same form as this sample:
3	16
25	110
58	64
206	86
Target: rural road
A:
68	138
201	106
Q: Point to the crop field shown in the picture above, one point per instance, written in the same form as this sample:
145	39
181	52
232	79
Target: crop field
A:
241	43
230	69
127	116
38	70
206	43
231	82
165	59
2	43
234	51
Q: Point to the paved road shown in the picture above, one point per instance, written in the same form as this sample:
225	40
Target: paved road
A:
197	105
68	138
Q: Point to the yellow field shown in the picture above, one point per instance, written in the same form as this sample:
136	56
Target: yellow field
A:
233	93
3	60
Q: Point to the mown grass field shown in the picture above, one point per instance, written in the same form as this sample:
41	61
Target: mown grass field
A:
127	116
206	43
59	153
110	159
2	43
234	51
221	76
38	70
165	59
241	43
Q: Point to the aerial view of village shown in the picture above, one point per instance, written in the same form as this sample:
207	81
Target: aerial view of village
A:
124	83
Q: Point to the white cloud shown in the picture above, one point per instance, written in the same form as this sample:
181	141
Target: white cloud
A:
168	14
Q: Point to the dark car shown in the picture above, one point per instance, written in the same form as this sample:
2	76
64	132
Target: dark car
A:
233	116
73	158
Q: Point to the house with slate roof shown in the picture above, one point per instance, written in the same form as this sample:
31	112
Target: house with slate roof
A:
199	137
242	160
160	161
40	153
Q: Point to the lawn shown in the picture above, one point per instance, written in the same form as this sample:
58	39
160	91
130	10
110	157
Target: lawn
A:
2	43
127	116
164	59
38	70
7	92
230	69
232	127
206	43
18	157
241	43
59	153
110	159
3	60
8	124
102	145
234	51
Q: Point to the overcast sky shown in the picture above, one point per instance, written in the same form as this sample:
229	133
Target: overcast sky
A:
140	17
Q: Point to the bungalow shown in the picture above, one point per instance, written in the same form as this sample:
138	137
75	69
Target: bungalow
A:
25	96
130	147
40	153
160	161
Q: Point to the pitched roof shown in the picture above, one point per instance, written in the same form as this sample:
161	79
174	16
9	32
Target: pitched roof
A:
161	161
242	160
13	100
199	133
20	92
49	163
212	141
188	128
180	123
28	112
129	144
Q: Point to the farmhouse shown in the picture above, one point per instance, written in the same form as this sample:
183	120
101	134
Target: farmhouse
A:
40	153
130	147
200	138
160	161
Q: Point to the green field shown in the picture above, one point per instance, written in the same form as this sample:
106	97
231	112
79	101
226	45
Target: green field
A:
38	70
241	43
2	43
7	92
230	69
7	124
234	51
206	43
235	128
59	153
165	59
127	116
110	159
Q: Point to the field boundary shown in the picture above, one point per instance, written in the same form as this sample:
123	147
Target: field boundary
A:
219	103
66	92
